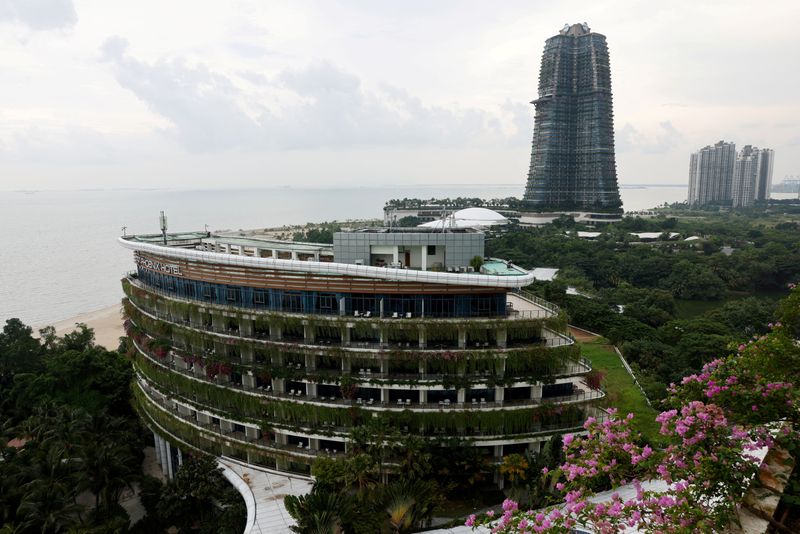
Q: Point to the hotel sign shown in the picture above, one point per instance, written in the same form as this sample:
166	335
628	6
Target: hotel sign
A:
167	268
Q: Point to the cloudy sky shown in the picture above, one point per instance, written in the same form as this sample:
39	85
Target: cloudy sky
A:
197	94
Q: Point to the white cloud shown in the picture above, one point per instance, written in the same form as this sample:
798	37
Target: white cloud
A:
329	107
306	92
39	14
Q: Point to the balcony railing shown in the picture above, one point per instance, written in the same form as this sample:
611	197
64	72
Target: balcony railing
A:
550	342
548	309
579	396
171	407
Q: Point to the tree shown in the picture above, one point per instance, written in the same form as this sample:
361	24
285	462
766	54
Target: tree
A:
320	512
20	352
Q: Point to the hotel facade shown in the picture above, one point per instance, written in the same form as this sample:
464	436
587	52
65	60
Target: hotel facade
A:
272	352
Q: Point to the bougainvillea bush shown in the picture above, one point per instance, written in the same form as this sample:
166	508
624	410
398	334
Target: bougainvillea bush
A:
713	425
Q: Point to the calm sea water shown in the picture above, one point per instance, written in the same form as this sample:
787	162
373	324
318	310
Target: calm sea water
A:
59	256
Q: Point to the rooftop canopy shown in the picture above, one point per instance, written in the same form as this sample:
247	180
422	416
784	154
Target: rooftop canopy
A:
468	218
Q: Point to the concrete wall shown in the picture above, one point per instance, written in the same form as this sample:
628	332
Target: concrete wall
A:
459	248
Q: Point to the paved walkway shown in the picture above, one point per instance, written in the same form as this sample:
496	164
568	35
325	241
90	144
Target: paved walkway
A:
263	492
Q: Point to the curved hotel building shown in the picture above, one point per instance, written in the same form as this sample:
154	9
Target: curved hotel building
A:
272	352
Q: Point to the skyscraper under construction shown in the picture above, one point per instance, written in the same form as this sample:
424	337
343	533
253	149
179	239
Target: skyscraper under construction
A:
572	160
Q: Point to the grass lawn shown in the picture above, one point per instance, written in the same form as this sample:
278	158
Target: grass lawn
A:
621	392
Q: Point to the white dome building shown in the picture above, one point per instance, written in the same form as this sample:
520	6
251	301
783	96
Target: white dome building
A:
468	218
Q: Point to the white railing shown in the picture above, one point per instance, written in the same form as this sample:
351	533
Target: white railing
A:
538	301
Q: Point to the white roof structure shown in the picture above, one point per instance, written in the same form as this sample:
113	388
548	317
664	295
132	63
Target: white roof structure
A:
545	274
468	218
692	238
588	235
654	235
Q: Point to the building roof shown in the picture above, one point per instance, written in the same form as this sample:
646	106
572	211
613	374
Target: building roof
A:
523	278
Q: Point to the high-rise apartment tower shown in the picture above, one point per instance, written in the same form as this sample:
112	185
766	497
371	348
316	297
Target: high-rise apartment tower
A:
572	160
711	174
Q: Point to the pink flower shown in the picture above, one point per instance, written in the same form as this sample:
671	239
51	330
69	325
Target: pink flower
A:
470	521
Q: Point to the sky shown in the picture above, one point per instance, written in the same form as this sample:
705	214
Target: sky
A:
209	94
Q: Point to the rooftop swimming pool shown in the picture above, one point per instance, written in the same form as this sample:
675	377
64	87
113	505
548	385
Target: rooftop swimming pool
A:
501	268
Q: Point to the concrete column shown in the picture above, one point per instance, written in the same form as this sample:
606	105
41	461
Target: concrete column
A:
461	395
157	446
246	327
203	418
248	380
384	395
346	335
277	385
217	322
170	467
281	439
502	337
311	389
498	478
384	366
383	334
198	370
274	253
225	426
314	443
422	338
381	307
311	362
422	368
396	254
536	392
164	457
180	364
252	433
535	447
499	394
423	396
424	257
462	337
294	254
275	332
308	333
341	306
346	365
180	458
246	352
241	250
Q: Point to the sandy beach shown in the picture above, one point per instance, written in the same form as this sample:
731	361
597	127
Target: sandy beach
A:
107	325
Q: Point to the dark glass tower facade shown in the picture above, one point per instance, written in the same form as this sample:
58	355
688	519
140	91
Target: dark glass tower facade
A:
572	161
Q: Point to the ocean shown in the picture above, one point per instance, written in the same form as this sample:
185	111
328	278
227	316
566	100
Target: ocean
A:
59	256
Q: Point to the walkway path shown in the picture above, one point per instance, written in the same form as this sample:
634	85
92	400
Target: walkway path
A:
263	492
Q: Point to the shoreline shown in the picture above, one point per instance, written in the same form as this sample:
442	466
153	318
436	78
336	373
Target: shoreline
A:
106	323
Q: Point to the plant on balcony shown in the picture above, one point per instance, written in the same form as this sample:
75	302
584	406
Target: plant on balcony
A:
594	379
348	387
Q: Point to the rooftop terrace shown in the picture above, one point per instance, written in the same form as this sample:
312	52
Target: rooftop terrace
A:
404	254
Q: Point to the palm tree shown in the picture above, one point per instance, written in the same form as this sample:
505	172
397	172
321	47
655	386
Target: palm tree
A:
409	502
320	512
48	505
